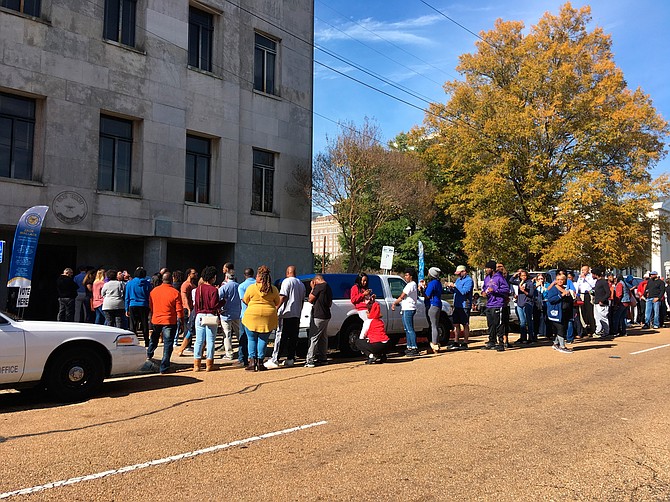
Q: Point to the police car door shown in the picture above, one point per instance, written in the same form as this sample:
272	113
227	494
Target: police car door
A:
12	351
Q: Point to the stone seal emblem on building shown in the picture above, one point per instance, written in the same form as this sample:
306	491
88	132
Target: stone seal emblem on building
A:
70	207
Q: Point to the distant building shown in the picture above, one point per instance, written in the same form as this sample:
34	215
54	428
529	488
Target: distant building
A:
660	243
326	227
159	133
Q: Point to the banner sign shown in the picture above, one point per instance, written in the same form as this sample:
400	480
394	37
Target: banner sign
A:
421	263
25	246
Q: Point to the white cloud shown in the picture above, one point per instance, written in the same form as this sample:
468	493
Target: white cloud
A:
407	31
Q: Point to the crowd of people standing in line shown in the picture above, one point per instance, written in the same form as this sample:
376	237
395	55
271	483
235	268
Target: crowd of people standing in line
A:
168	305
594	304
172	304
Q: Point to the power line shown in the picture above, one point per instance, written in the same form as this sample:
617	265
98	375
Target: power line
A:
456	22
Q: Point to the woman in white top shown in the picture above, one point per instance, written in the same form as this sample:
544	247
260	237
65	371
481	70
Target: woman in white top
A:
407	302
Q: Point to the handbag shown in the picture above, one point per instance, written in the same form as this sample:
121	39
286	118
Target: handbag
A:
209	320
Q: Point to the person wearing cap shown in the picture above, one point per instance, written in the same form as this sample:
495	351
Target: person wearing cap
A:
496	290
432	293
653	294
462	290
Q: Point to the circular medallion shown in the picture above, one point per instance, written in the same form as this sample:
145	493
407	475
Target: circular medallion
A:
70	207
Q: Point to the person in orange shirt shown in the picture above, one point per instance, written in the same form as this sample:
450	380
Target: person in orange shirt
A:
166	311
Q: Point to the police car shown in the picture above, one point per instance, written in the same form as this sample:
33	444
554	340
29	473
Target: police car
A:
69	359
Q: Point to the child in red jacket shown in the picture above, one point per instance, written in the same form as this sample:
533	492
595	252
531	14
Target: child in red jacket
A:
373	341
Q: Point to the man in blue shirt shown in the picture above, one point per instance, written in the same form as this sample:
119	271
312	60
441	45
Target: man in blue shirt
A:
462	290
230	312
137	303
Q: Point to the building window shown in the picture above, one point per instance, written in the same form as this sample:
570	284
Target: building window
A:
120	21
262	184
17	132
200	39
116	149
30	7
198	160
265	56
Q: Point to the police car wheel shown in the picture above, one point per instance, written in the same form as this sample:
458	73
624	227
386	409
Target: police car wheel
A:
75	374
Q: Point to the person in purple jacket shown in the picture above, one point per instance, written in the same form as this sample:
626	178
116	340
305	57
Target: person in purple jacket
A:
496	290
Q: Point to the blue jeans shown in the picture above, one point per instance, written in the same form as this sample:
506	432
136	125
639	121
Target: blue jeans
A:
257	342
168	331
203	333
525	315
99	315
408	324
656	307
243	347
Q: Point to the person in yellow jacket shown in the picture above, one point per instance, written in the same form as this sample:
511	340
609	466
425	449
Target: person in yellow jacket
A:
260	316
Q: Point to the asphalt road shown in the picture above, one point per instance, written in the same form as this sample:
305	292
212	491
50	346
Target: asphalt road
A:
526	424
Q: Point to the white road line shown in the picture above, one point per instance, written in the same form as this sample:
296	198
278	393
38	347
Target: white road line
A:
653	348
151	463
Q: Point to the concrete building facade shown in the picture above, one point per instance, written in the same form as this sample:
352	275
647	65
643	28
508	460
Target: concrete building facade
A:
158	132
326	227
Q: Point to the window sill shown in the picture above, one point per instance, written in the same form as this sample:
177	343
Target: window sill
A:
271	96
25	16
204	72
199	204
20	181
124	46
263	213
118	194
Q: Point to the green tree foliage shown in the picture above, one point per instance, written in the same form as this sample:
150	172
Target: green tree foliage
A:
364	185
544	153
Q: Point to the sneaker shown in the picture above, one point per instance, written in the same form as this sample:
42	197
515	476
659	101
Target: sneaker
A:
188	350
489	346
413	352
645	326
565	350
310	365
508	345
500	348
287	363
464	346
269	364
555	346
227	357
371	359
656	327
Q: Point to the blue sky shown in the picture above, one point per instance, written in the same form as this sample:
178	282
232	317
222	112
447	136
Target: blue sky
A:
415	47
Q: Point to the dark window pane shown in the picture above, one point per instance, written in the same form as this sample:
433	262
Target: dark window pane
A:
257	189
11	4
106	164
193	45
32	7
268	189
259	63
17	106
202	179
116	127
265	42
270	74
190	178
128	22
5	146
206	51
197	145
123	163
111	27
263	158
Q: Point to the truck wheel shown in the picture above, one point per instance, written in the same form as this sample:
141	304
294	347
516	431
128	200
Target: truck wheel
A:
75	374
444	328
348	336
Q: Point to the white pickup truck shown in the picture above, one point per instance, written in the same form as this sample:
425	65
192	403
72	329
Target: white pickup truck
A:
345	324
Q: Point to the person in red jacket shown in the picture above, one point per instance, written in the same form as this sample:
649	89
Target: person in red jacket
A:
361	295
373	341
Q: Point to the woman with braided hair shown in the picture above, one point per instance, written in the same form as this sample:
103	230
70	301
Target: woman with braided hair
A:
260	317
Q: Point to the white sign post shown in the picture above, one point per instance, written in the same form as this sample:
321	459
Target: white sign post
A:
387	258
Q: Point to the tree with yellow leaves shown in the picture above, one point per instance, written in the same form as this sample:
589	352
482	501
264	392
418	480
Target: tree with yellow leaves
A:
544	153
